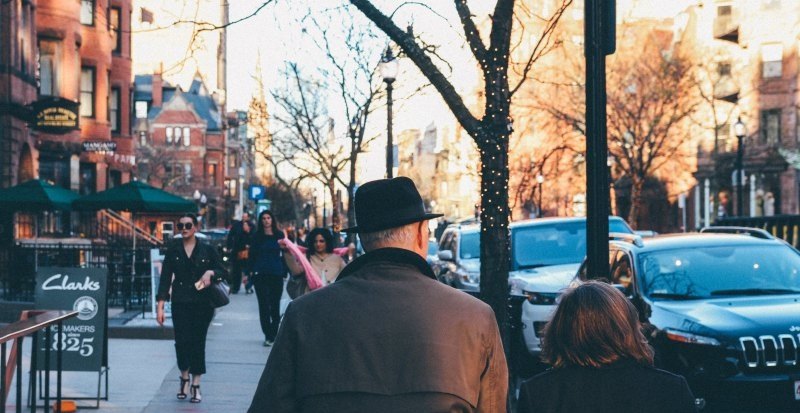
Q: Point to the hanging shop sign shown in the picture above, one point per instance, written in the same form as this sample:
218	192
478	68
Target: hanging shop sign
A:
55	115
99	146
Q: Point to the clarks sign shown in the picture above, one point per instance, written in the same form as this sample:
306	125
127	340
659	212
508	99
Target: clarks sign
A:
55	115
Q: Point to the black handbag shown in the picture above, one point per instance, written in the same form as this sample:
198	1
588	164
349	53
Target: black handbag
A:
218	294
297	285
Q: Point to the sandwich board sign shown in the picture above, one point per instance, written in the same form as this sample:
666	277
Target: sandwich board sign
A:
83	339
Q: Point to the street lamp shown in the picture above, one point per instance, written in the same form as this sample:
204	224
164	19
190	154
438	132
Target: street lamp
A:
540	181
389	66
740	130
201	205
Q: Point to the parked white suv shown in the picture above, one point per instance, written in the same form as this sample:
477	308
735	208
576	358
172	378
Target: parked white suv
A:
545	256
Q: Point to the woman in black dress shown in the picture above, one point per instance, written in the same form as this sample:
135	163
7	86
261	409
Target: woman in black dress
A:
268	270
189	268
601	361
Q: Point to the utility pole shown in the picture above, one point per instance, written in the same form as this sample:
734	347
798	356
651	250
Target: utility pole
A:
600	32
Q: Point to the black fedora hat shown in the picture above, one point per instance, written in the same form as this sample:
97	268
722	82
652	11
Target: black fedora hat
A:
388	203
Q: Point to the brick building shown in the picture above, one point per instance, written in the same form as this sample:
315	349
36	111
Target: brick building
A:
750	50
71	58
180	142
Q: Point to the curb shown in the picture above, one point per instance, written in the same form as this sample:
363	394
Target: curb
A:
143	333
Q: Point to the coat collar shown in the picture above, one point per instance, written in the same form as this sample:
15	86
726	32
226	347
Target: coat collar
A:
391	255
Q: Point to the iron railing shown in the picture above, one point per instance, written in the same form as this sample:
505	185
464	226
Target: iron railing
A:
30	326
127	289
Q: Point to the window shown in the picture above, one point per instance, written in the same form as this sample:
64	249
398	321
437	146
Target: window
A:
724	69
212	174
87	12
177	136
48	68
771	127
115	22
232	160
723	136
771	60
187	172
143	138
140	107
87	92
724	11
621	271
797	125
113	109
168	131
88	178
186	136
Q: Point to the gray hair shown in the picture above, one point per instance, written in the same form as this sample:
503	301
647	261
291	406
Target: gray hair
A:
392	236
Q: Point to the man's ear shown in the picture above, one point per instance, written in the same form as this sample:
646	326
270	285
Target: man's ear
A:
421	233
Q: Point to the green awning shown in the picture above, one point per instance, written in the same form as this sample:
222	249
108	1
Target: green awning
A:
135	196
36	195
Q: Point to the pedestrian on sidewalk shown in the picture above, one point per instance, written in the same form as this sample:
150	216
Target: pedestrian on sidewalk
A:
238	243
267	270
601	361
189	267
319	258
386	336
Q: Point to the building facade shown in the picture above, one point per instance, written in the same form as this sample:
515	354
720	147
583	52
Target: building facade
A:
239	165
751	70
181	144
65	83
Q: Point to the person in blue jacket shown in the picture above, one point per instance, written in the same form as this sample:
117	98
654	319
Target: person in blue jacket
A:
267	271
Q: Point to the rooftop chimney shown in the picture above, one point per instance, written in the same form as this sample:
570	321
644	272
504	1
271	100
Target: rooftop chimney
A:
158	87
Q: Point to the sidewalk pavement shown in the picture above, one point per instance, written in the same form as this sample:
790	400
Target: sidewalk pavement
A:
143	375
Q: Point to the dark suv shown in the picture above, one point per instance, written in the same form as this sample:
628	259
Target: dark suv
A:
723	310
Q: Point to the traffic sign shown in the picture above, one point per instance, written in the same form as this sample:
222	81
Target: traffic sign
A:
257	192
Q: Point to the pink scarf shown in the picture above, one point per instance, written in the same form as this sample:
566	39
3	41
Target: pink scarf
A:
299	254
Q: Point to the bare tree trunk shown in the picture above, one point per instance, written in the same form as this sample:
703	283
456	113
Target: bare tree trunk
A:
637	186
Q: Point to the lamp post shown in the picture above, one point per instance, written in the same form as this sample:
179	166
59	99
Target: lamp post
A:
201	200
388	67
740	130
539	182
240	208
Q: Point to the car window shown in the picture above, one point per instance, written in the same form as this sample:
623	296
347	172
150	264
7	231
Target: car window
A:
470	246
621	270
618	225
548	244
447	239
701	272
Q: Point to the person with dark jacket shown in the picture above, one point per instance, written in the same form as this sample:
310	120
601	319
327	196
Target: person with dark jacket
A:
601	361
237	242
267	271
189	267
386	336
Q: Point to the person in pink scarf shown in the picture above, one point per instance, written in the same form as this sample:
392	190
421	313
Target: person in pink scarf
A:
319	260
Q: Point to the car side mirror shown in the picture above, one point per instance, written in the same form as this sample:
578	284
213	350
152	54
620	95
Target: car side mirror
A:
445	255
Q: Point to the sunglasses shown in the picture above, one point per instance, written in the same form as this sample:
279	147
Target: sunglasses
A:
181	226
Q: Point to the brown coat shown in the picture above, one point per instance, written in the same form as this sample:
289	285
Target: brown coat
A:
386	337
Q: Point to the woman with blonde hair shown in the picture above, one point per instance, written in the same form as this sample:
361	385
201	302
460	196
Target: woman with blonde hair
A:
600	360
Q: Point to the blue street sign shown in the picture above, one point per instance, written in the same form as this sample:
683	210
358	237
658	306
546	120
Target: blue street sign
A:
257	192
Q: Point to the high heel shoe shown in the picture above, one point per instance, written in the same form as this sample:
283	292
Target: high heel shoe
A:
196	396
182	393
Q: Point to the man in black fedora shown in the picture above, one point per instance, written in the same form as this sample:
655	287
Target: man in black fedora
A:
386	336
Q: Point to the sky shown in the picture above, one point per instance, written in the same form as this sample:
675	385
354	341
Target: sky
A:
275	36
